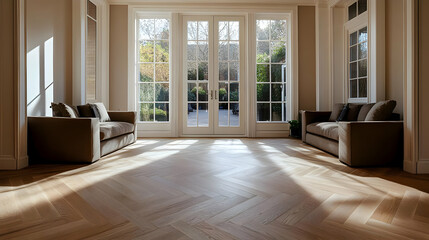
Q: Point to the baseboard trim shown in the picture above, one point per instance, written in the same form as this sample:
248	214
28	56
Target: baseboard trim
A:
273	134
423	166
410	167
7	163
22	162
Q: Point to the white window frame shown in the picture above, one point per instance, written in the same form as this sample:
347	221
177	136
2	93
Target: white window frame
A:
358	22
264	129
249	11
141	15
79	31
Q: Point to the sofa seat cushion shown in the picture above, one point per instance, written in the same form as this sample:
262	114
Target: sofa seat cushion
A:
324	129
113	129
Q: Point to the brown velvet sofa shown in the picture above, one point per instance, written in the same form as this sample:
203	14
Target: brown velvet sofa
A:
356	143
79	140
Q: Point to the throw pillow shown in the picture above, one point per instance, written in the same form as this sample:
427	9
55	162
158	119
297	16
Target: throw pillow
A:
381	111
85	111
100	111
353	112
343	114
56	110
336	110
364	111
67	111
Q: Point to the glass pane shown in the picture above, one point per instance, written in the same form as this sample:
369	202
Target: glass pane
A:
276	73
353	53
203	92
278	52
162	92
363	50
234	92
234	31
161	51
223	51
192	92
363	87
146	92
203	51
147	29
353	88
203	71
223	114
234	115
203	114
278	29
362	68
234	51
277	92
146	112
353	70
223	92
192	71
223	71
223	30
262	29
203	30
192	114
263	52
362	4
352	11
262	73
161	29
192	30
146	51
91	59
234	69
363	34
263	112
263	92
276	111
162	72
91	9
353	38
161	112
191	50
146	72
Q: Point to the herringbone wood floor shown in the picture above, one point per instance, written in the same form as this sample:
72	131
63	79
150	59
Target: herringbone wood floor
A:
213	189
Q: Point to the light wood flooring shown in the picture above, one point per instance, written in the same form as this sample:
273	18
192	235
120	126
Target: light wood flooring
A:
213	189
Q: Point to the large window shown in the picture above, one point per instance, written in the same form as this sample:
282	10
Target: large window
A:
153	69
91	52
357	51
271	66
358	64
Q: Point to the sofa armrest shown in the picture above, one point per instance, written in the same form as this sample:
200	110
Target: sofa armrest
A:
308	117
56	139
129	117
375	143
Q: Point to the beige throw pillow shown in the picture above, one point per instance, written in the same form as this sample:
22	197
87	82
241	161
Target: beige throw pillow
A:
381	111
336	110
100	112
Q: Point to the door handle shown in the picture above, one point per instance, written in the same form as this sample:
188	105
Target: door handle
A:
216	94
211	94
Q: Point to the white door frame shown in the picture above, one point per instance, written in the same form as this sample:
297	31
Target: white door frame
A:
213	71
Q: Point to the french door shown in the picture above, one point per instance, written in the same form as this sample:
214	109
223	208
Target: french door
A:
213	66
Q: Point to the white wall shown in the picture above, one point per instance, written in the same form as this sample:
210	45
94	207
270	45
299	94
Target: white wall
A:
49	43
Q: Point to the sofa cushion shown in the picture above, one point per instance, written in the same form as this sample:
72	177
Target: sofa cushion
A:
85	111
353	112
336	110
324	129
364	111
113	129
100	111
343	114
381	111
